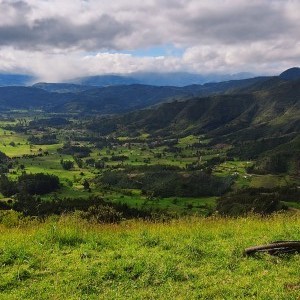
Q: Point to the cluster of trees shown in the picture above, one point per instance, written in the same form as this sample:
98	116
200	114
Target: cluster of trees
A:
78	161
4	160
3	157
49	122
67	164
43	140
94	208
35	206
78	151
32	184
165	183
243	202
119	157
98	164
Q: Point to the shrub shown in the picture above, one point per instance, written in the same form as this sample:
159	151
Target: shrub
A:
102	214
67	164
10	218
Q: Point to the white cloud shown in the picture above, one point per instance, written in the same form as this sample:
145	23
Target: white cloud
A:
54	39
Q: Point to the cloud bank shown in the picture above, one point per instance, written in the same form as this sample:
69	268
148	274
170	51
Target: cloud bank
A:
58	40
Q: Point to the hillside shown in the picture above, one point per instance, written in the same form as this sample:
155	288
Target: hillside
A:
254	122
192	258
16	97
271	107
291	74
116	99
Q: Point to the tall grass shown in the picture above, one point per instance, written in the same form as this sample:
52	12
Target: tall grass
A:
191	258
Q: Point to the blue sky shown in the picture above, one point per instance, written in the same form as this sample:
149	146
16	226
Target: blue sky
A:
161	50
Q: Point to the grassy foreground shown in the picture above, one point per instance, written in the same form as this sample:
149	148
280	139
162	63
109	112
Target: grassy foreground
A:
193	258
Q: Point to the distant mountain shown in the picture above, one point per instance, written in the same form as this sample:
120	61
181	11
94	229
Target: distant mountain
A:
291	74
121	98
179	79
62	87
105	80
108	100
17	97
15	79
183	78
118	99
157	79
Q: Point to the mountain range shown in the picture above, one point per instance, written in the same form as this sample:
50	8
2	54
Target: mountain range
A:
110	99
67	97
15	79
146	78
158	79
269	105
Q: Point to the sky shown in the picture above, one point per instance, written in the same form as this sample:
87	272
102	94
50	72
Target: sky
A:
57	40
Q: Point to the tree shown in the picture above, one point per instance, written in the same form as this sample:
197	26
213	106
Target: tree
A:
7	187
86	185
67	164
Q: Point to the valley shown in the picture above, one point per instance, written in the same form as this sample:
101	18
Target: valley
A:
176	158
149	150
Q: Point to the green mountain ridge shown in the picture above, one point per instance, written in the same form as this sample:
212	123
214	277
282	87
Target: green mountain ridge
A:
264	119
276	105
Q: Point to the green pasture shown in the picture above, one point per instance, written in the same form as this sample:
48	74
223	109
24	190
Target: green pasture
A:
200	205
192	258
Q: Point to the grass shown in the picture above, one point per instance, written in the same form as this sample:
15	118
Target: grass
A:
51	164
21	147
270	181
181	205
193	258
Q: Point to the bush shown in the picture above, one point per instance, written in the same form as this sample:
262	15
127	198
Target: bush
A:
67	164
102	214
10	218
119	158
34	206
